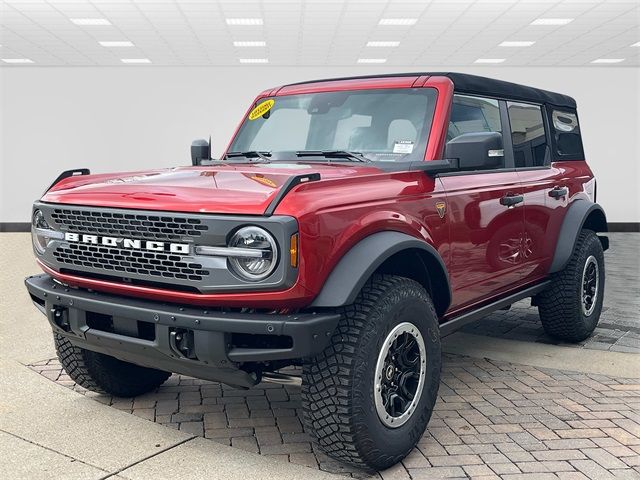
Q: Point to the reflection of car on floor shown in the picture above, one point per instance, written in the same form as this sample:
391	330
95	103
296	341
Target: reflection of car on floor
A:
349	225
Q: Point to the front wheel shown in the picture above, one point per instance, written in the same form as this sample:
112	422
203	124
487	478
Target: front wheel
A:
570	308
367	398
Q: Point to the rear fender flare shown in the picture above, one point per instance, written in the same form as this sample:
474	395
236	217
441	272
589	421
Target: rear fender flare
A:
580	214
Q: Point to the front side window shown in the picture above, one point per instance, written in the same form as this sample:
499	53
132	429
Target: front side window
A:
382	125
529	139
471	114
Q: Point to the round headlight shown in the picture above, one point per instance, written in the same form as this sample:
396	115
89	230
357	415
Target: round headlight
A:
38	227
260	265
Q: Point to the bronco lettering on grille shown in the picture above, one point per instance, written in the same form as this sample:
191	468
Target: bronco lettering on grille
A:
180	248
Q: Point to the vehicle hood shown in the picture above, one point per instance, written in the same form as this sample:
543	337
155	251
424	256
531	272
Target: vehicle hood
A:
233	189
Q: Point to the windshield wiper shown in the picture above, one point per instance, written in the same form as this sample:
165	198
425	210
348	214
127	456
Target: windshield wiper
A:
251	154
353	156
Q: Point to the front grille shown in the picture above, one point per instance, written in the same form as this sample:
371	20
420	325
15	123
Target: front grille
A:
156	227
110	255
155	264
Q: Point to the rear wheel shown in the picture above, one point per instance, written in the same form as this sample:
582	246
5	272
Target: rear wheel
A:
367	398
571	307
104	374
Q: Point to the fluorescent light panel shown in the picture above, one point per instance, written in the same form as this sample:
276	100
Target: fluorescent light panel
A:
376	43
608	60
123	43
372	60
516	43
398	21
135	60
251	43
90	21
244	21
490	60
17	60
254	60
552	21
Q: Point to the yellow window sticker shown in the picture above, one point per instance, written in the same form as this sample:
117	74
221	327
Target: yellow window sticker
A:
261	109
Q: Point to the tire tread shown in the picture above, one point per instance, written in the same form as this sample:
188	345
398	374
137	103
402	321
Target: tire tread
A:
104	374
330	413
560	311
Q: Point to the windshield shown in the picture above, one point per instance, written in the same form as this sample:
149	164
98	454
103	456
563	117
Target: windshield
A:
382	125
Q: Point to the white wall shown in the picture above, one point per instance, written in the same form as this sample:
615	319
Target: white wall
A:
133	118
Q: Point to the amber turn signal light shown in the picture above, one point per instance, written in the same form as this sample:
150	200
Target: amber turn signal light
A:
293	250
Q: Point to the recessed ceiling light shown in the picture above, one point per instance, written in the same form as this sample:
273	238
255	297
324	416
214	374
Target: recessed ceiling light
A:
253	43
552	21
637	44
490	60
254	60
608	60
17	60
90	21
135	60
398	21
117	44
244	21
372	60
383	44
516	44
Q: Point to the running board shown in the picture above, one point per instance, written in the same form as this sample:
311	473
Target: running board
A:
281	378
450	326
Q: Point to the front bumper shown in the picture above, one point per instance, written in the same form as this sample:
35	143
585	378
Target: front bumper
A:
193	341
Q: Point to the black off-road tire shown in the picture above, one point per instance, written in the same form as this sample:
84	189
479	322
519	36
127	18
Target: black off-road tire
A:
338	384
104	374
560	306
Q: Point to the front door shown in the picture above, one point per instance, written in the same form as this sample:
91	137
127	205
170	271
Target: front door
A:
486	226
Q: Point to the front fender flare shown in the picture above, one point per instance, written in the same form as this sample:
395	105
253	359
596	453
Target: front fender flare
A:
363	259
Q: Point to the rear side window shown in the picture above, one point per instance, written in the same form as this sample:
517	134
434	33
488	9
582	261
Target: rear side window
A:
528	135
566	135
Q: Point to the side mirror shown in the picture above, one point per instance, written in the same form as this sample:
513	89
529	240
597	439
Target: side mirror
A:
200	150
476	151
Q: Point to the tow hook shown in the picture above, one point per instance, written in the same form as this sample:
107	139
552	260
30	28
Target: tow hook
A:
182	343
61	318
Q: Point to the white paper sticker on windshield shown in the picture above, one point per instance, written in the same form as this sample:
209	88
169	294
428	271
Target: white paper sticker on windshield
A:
403	146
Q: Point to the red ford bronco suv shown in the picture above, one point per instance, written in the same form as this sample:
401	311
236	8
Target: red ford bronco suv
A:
350	224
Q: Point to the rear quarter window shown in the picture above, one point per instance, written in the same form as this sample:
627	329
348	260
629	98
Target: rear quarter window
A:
565	129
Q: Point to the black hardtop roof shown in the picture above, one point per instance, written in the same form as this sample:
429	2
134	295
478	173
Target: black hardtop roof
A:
466	83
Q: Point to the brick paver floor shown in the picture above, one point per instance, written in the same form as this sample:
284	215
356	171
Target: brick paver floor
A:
492	420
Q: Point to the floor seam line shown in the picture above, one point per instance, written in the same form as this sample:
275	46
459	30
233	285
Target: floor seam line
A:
53	450
166	449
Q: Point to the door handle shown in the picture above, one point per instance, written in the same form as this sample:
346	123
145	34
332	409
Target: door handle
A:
511	200
559	192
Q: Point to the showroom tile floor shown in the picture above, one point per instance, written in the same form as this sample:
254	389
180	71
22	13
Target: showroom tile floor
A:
493	419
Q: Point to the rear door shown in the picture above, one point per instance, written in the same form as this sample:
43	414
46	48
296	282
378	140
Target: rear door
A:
545	186
486	235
